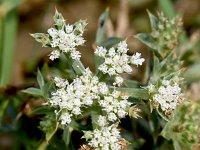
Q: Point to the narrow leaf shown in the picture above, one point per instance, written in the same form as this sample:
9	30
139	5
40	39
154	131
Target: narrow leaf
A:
137	93
33	91
41	110
147	39
100	36
3	106
78	67
8	34
66	136
131	83
167	7
110	42
153	20
41	38
40	79
193	73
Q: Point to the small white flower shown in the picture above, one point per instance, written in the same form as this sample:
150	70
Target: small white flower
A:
65	118
60	82
100	51
68	28
165	82
122	47
118	80
137	60
115	105
67	38
151	88
102	121
54	55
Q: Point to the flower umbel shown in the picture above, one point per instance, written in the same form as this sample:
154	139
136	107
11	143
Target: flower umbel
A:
116	60
105	138
63	37
69	98
168	95
115	105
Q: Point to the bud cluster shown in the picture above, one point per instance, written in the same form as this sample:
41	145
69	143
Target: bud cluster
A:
167	31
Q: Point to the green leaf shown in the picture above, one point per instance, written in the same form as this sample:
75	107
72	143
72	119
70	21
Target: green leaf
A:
153	21
193	73
59	21
3	106
50	133
9	5
8	30
131	83
33	91
110	42
94	116
67	135
100	36
79	26
41	38
137	93
47	89
167	7
41	110
146	39
40	79
78	67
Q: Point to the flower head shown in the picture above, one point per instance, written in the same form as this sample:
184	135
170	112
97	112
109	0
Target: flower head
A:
105	138
115	105
168	95
64	38
116	60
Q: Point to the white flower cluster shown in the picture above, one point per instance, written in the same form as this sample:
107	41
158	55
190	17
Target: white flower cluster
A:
115	105
65	40
105	138
64	37
116	59
69	98
80	93
168	95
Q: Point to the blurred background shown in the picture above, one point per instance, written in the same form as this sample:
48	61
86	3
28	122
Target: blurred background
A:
128	18
20	55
